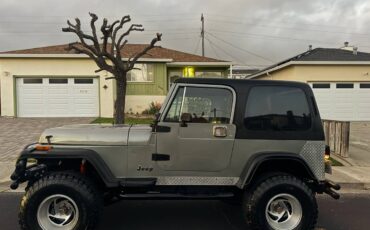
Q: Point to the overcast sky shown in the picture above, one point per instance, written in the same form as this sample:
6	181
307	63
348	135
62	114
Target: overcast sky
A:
248	32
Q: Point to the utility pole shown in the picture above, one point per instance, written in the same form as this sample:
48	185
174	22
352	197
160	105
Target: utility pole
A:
202	33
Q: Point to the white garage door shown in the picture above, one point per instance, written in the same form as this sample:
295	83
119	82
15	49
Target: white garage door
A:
343	101
57	97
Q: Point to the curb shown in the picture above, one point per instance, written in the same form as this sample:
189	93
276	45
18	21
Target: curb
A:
341	160
355	186
5	187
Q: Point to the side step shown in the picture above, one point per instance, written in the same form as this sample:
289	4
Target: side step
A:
175	196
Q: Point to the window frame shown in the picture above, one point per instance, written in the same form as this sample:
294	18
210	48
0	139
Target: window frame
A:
57	83
320	83
33	83
344	83
366	84
178	85
152	81
83	83
208	71
309	104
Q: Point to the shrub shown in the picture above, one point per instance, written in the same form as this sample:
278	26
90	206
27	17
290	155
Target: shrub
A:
154	108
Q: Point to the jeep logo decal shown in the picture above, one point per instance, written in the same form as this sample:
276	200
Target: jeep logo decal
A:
141	168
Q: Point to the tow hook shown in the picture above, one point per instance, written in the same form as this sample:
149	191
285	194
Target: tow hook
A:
328	187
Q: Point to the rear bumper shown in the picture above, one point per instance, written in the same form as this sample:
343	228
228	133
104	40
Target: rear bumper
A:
328	187
328	166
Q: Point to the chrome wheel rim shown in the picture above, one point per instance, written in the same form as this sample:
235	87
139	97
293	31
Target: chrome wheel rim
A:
57	212
283	212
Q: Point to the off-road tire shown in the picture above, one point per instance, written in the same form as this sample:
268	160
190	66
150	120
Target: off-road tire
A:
82	191
256	201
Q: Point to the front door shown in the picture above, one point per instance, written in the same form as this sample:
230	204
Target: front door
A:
205	141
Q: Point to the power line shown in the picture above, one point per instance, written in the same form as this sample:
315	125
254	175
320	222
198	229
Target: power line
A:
241	49
224	51
269	36
197	46
287	28
282	21
213	48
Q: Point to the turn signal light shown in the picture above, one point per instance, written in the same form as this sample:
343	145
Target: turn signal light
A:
327	152
43	147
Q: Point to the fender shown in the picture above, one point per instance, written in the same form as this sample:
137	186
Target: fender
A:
257	159
76	153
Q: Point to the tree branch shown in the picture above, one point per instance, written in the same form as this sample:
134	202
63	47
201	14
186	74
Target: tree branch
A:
137	56
94	18
133	27
123	21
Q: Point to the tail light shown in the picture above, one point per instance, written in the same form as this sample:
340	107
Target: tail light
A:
327	152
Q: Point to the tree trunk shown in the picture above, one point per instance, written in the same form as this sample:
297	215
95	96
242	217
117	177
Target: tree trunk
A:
119	106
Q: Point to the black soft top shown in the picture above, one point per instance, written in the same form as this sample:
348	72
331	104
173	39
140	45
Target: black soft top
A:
242	88
236	83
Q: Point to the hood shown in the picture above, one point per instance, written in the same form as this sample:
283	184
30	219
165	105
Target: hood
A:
97	134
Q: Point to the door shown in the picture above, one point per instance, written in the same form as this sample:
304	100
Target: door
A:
205	141
57	97
348	101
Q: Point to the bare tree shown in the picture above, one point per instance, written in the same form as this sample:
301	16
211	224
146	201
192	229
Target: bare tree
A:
107	54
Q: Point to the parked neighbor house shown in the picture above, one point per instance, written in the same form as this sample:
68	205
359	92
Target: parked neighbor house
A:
242	72
53	82
339	77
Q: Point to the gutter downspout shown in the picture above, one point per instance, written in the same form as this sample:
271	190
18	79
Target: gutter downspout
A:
268	74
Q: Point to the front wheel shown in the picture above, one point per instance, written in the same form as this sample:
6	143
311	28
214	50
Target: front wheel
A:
281	203
60	201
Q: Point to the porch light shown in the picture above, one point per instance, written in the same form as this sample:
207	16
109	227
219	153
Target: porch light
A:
188	72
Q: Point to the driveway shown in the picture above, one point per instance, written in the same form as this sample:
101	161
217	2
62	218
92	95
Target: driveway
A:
15	133
359	146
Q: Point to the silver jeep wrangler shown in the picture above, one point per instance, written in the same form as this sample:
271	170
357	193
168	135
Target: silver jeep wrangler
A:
257	143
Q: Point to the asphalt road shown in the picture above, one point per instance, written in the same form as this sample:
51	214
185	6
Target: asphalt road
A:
351	212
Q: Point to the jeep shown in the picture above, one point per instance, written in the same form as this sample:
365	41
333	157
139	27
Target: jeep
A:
259	144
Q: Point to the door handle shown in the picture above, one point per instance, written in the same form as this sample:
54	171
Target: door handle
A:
220	131
160	157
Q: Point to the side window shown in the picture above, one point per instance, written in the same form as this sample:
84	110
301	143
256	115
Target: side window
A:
173	114
277	108
204	104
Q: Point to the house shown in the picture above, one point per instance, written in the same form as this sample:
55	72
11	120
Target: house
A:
242	72
53	82
339	78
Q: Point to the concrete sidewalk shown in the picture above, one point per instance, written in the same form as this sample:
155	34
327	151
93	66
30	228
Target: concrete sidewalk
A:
350	176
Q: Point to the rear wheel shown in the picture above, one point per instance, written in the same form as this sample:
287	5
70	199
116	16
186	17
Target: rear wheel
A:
281	203
60	201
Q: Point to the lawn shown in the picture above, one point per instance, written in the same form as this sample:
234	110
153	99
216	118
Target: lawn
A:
128	120
335	162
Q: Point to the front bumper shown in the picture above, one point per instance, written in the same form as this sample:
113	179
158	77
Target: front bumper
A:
23	171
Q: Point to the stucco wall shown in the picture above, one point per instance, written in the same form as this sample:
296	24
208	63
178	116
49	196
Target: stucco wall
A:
324	73
138	103
12	68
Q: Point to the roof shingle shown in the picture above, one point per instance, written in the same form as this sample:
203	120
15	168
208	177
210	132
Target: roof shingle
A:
128	51
320	54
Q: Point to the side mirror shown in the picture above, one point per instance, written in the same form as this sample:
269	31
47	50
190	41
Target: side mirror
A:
185	118
157	115
155	122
